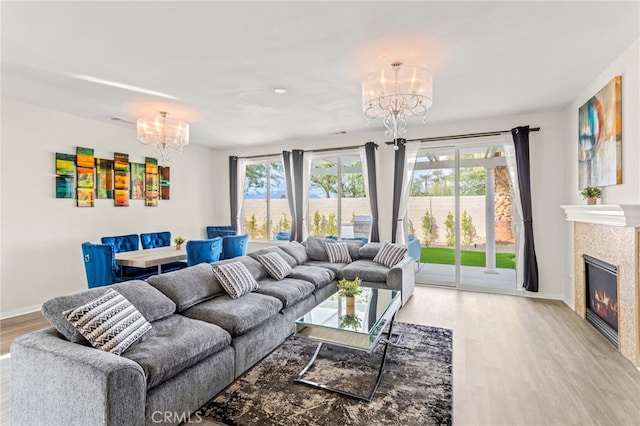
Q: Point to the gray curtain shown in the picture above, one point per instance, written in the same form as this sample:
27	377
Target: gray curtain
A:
233	191
398	174
288	177
521	143
370	153
297	164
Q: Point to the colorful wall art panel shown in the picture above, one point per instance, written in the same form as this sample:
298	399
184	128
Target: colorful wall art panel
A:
152	182
121	179
600	137
65	175
85	197
84	157
165	183
104	178
137	181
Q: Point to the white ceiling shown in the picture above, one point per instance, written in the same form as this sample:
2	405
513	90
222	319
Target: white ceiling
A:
222	60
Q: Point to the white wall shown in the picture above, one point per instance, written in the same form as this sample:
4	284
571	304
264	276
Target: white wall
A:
627	65
549	178
41	235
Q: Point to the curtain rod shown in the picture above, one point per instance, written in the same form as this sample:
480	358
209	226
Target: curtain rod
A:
463	136
340	148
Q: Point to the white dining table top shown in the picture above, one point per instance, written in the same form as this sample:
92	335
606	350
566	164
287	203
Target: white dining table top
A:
151	257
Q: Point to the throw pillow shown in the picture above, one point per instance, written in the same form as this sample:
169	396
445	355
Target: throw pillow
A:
338	253
110	323
390	254
315	249
275	265
235	278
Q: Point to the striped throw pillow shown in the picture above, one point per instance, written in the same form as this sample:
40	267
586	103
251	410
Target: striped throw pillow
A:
275	265
235	278
390	254
338	253
110	323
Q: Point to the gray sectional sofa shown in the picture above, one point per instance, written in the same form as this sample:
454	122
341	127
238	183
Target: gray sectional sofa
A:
201	339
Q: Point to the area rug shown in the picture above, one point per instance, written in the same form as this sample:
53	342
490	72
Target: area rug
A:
416	386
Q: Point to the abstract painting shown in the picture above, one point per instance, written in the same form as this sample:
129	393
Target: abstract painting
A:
85	197
121	179
121	198
137	181
85	177
600	137
65	164
152	182
165	183
65	187
84	157
104	178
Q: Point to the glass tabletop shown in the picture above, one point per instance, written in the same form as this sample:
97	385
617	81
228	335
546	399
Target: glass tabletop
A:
359	327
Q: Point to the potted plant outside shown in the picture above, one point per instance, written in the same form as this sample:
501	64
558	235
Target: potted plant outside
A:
591	194
179	241
349	290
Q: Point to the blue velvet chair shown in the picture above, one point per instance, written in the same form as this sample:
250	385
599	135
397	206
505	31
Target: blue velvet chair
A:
414	249
234	246
99	264
160	239
219	231
363	239
204	251
155	239
282	236
122	243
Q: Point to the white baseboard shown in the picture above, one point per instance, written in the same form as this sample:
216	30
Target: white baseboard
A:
550	296
18	312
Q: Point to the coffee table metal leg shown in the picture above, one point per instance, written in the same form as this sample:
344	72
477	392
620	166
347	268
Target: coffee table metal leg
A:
368	397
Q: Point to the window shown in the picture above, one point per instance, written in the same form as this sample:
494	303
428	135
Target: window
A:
265	210
337	202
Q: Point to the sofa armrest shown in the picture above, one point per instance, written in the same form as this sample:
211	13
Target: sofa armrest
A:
403	277
56	381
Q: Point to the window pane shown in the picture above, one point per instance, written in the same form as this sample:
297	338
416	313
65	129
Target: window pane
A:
279	213
254	207
356	217
323	193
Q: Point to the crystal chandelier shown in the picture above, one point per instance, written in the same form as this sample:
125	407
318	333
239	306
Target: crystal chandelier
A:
395	94
165	134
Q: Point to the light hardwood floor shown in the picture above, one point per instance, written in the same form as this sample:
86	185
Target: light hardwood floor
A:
516	361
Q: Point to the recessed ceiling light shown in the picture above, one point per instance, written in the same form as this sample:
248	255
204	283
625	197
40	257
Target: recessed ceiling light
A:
280	90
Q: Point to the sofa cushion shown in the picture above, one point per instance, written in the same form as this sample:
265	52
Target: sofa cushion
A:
174	344
237	316
338	253
274	249
275	265
390	254
295	250
288	290
335	267
189	286
366	269
354	248
252	265
235	279
316	275
151	303
369	250
315	248
110	323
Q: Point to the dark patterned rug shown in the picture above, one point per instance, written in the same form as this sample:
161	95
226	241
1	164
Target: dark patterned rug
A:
416	386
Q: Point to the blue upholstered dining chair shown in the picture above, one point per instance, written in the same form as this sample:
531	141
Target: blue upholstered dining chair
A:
234	246
219	231
282	236
160	239
414	250
99	264
155	239
122	243
363	239
204	251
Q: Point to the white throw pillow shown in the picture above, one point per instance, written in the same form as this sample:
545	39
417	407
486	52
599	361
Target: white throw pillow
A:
275	265
110	323
235	278
390	254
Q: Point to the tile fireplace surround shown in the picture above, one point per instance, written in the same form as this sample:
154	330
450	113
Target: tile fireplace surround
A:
611	233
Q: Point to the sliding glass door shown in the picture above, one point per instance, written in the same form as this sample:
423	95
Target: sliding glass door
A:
460	208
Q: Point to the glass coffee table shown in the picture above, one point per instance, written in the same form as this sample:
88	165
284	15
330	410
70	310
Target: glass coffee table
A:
361	327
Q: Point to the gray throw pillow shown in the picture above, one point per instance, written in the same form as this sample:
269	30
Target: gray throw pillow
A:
297	251
110	323
316	250
369	250
189	286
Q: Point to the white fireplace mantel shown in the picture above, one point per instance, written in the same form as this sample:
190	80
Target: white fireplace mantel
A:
613	214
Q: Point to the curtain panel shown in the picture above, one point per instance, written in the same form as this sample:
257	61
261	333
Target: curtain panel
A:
237	171
411	155
398	173
368	154
288	177
521	146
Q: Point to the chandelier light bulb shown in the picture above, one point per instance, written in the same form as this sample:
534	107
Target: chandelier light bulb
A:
165	134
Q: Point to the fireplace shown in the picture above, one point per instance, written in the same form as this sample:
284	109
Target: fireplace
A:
601	296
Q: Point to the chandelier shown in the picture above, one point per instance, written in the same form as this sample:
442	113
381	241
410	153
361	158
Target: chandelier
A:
395	94
165	134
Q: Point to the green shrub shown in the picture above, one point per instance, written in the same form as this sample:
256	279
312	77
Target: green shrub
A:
450	224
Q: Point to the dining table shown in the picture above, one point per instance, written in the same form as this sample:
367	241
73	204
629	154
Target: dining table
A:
151	257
